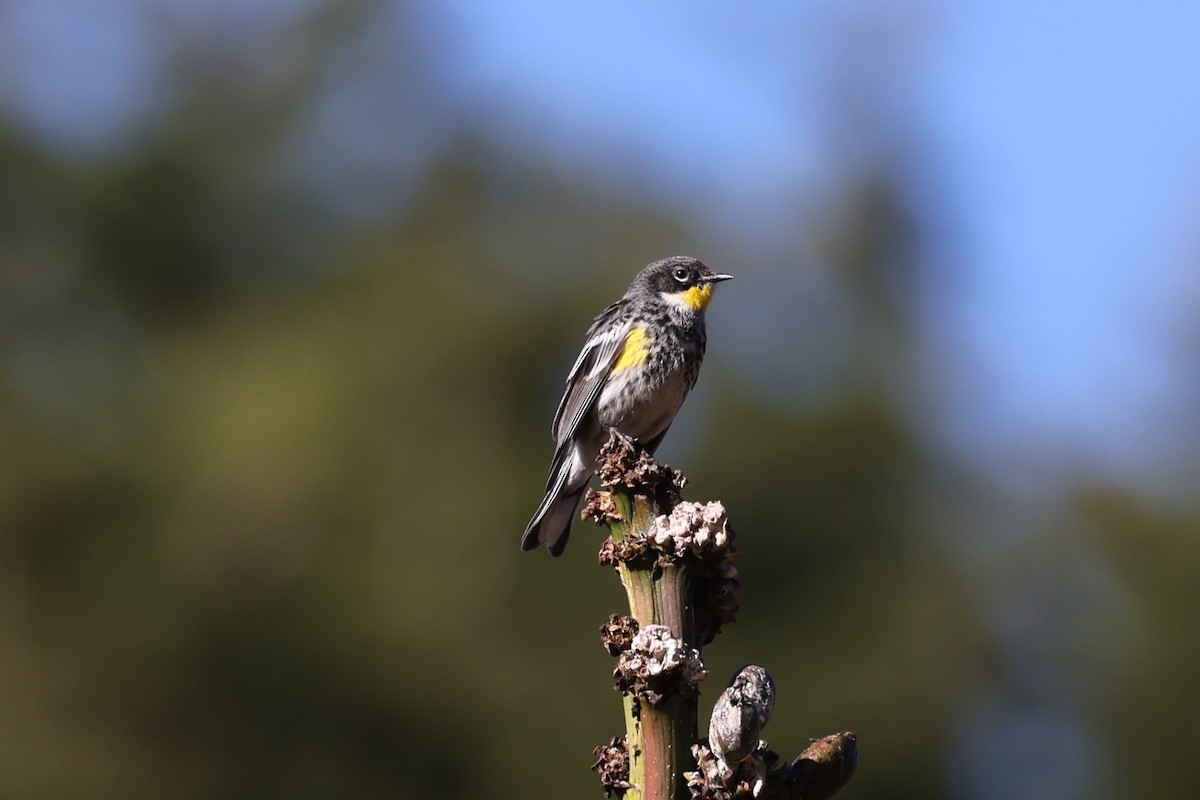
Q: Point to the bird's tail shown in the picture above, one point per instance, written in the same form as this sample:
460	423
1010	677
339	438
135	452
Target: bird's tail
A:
551	523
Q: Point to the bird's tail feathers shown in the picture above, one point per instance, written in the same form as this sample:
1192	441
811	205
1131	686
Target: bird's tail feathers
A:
551	523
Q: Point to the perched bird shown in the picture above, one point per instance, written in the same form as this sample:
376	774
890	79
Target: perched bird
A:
740	714
641	358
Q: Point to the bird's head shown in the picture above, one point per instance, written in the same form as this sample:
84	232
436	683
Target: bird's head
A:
682	281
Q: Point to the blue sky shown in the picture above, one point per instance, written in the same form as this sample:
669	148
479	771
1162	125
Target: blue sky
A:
1058	145
1077	128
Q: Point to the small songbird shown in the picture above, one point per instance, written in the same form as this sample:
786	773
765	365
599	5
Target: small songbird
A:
641	358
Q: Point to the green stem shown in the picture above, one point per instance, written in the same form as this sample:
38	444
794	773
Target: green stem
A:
659	738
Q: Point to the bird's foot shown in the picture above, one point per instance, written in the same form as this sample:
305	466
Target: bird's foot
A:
627	440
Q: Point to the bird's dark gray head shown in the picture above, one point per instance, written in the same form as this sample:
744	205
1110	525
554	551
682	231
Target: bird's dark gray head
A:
682	280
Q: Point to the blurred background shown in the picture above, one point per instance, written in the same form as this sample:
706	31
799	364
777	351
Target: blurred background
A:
288	291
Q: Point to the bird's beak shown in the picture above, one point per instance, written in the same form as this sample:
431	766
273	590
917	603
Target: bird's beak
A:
720	276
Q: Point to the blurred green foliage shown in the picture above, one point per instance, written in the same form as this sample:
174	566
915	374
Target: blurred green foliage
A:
267	469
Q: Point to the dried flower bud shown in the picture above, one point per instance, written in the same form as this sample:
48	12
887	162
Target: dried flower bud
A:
599	507
617	634
622	462
612	763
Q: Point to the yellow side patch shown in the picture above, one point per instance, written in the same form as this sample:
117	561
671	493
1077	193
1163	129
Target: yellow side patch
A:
635	349
697	297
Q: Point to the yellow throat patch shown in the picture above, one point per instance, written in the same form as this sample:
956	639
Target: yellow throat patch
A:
635	349
697	297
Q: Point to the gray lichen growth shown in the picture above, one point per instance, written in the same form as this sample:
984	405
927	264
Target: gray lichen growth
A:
657	664
696	529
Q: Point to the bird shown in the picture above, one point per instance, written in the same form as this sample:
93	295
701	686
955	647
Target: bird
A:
640	359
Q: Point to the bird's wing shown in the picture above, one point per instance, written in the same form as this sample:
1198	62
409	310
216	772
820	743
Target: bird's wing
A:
591	369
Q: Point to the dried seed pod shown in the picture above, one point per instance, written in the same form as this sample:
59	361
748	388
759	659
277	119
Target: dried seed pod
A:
612	763
740	714
824	767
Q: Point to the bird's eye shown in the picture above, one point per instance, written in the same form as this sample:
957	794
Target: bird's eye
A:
681	274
